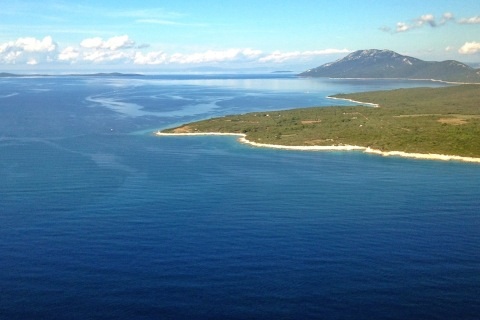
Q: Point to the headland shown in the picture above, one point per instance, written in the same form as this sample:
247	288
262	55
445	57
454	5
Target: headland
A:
422	123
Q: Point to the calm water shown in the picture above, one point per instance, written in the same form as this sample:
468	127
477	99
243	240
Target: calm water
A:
99	219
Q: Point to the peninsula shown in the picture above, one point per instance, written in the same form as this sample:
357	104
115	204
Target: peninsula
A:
441	123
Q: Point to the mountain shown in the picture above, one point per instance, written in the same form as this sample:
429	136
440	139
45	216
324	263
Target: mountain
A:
375	63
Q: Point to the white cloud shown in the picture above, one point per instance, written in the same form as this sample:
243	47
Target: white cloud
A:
279	57
69	54
230	55
402	27
251	53
447	16
114	43
150	58
101	56
122	50
424	20
121	42
417	23
471	20
215	56
35	45
427	18
97	50
30	45
470	48
92	43
28	50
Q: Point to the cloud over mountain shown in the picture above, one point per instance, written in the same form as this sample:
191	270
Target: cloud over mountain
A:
470	48
429	20
422	21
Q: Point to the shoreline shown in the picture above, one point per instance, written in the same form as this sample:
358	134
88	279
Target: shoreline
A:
407	79
420	156
374	105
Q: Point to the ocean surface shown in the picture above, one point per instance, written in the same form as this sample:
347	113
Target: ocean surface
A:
100	219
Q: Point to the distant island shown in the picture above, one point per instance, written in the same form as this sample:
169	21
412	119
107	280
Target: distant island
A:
282	71
439	123
375	63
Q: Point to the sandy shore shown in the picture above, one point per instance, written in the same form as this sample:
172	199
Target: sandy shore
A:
242	139
355	101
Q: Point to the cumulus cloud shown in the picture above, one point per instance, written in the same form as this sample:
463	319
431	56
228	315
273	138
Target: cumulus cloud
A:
35	45
98	50
122	49
28	50
423	20
69	54
29	45
471	20
470	48
150	58
92	43
114	43
429	20
447	16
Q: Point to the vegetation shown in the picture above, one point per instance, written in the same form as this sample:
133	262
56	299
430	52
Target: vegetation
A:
388	64
421	120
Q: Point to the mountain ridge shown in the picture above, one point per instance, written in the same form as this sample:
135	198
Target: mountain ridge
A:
375	63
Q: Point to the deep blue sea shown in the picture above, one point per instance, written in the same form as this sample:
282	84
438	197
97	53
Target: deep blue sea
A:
100	219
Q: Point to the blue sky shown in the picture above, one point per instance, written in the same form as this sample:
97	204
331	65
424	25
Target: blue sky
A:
247	34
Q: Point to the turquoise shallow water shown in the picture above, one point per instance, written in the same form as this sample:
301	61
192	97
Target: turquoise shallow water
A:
101	219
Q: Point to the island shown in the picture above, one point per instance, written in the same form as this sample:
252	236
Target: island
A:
432	123
387	64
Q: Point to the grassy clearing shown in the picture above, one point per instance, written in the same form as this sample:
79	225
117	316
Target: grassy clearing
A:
424	120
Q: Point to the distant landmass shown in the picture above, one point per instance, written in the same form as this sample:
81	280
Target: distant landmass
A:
282	71
102	74
6	74
375	63
110	74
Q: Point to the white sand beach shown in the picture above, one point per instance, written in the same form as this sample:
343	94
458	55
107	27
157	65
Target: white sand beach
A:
242	139
355	101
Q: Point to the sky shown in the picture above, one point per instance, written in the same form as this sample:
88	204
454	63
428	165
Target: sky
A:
161	36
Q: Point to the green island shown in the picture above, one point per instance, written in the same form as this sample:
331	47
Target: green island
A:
444	121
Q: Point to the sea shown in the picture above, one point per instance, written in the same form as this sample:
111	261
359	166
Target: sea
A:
101	219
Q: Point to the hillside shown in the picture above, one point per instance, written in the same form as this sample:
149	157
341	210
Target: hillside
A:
375	63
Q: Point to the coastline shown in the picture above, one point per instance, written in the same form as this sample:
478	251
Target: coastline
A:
420	156
408	79
374	105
